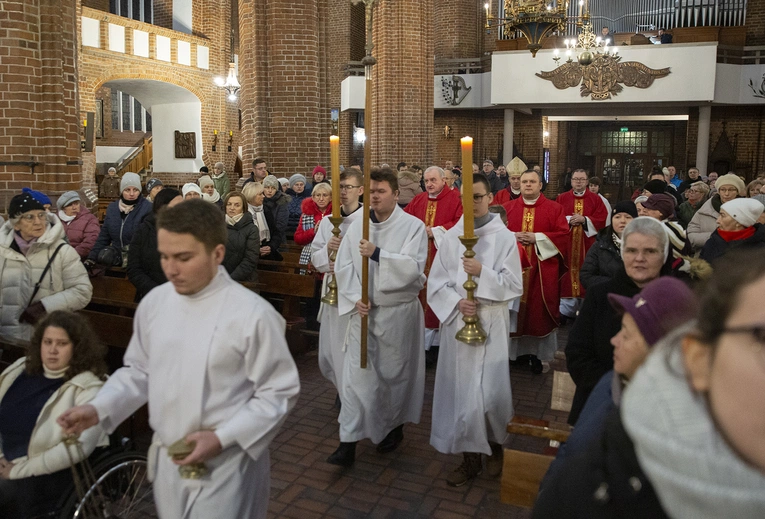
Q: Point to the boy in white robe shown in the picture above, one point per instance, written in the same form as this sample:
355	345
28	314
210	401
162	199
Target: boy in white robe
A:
472	400
210	358
333	325
378	400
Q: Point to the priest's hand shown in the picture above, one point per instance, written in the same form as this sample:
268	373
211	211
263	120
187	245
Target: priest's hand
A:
429	230
469	308
472	266
526	238
207	446
334	243
576	219
367	248
77	419
361	308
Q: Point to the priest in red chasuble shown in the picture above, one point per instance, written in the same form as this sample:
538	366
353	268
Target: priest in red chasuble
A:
586	214
540	227
515	169
440	208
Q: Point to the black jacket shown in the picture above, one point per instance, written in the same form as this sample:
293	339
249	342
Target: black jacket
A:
242	249
604	481
144	269
278	205
715	246
589	354
603	260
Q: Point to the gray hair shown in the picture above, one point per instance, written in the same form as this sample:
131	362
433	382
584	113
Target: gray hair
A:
440	171
640	199
647	226
219	166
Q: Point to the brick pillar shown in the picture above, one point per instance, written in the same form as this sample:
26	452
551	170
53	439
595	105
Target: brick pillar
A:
451	37
402	123
253	72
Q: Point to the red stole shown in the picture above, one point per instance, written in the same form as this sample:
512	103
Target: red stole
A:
443	210
539	311
591	206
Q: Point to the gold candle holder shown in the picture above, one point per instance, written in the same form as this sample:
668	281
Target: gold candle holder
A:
330	298
471	333
180	450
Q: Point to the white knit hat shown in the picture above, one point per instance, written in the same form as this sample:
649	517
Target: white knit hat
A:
189	187
731	180
744	210
205	180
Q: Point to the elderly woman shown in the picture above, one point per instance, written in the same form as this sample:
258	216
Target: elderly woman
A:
298	192
704	222
153	186
243	245
110	185
209	193
753	188
64	367
737	227
408	186
589	354
696	194
604	260
313	210
639	205
144	269
687	439
81	226
220	178
662	207
190	190
277	204
263	220
40	272
123	217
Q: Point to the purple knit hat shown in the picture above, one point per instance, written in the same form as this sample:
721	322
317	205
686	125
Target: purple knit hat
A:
663	305
663	203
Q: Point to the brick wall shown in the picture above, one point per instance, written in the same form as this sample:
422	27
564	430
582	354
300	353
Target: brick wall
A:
163	13
456	29
755	22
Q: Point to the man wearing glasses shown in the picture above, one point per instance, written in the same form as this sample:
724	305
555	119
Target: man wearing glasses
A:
586	215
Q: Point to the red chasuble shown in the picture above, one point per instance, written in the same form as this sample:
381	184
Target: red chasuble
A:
443	210
504	196
539	312
591	206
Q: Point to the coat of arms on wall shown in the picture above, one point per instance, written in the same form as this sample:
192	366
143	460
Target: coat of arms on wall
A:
758	90
454	90
185	145
604	77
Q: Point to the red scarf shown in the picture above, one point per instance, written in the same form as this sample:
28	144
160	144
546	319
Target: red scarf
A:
743	234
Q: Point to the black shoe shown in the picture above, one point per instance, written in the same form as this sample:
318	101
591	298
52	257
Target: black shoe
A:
521	360
344	456
536	365
391	441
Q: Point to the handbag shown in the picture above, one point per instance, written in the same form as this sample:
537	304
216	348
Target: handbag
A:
110	256
45	271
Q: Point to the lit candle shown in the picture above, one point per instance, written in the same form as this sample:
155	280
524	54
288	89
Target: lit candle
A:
487	7
215	132
231	133
467	185
85	123
334	149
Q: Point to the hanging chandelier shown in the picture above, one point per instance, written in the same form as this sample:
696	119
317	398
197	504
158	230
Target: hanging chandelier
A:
231	83
586	46
535	19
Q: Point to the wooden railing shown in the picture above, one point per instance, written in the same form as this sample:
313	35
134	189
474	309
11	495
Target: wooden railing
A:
139	160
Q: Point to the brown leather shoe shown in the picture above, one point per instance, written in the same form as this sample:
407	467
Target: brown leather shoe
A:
495	461
470	468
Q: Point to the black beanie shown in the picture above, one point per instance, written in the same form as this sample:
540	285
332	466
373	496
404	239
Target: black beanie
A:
22	203
625	206
655	186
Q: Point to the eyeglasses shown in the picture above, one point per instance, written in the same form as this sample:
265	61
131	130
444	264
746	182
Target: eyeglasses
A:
346	188
727	190
33	217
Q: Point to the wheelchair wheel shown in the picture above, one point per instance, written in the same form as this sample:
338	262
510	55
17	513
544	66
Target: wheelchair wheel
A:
121	491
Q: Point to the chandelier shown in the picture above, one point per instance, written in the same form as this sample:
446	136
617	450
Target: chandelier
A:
536	19
586	46
231	83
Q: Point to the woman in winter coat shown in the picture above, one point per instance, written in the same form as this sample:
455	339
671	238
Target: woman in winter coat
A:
243	246
277	204
589	353
687	440
64	368
408	186
737	227
39	271
123	217
704	222
209	193
604	259
263	220
80	225
697	194
314	209
298	192
144	269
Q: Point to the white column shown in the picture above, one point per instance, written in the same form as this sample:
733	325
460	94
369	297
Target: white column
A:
702	140
507	143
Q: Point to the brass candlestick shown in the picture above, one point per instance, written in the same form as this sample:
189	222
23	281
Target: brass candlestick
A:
471	333
330	297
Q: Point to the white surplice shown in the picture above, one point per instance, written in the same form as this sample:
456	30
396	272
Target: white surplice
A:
216	360
333	325
472	400
390	391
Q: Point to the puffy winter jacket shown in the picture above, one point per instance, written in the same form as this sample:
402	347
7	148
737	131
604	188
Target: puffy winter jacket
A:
716	247
277	205
117	231
242	249
47	453
704	222
309	221
295	208
144	269
82	232
603	260
66	285
408	187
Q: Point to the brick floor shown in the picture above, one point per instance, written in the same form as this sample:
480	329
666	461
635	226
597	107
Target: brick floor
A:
409	482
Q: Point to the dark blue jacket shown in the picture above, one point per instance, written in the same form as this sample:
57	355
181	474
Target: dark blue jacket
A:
116	231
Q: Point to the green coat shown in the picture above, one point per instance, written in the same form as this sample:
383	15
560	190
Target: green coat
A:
685	212
222	184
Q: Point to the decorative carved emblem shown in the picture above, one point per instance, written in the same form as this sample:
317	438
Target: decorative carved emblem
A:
758	91
451	88
185	145
604	77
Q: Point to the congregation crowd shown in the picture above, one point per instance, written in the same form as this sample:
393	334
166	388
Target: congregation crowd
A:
662	290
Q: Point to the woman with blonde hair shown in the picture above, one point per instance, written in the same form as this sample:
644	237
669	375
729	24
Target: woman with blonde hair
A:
254	194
